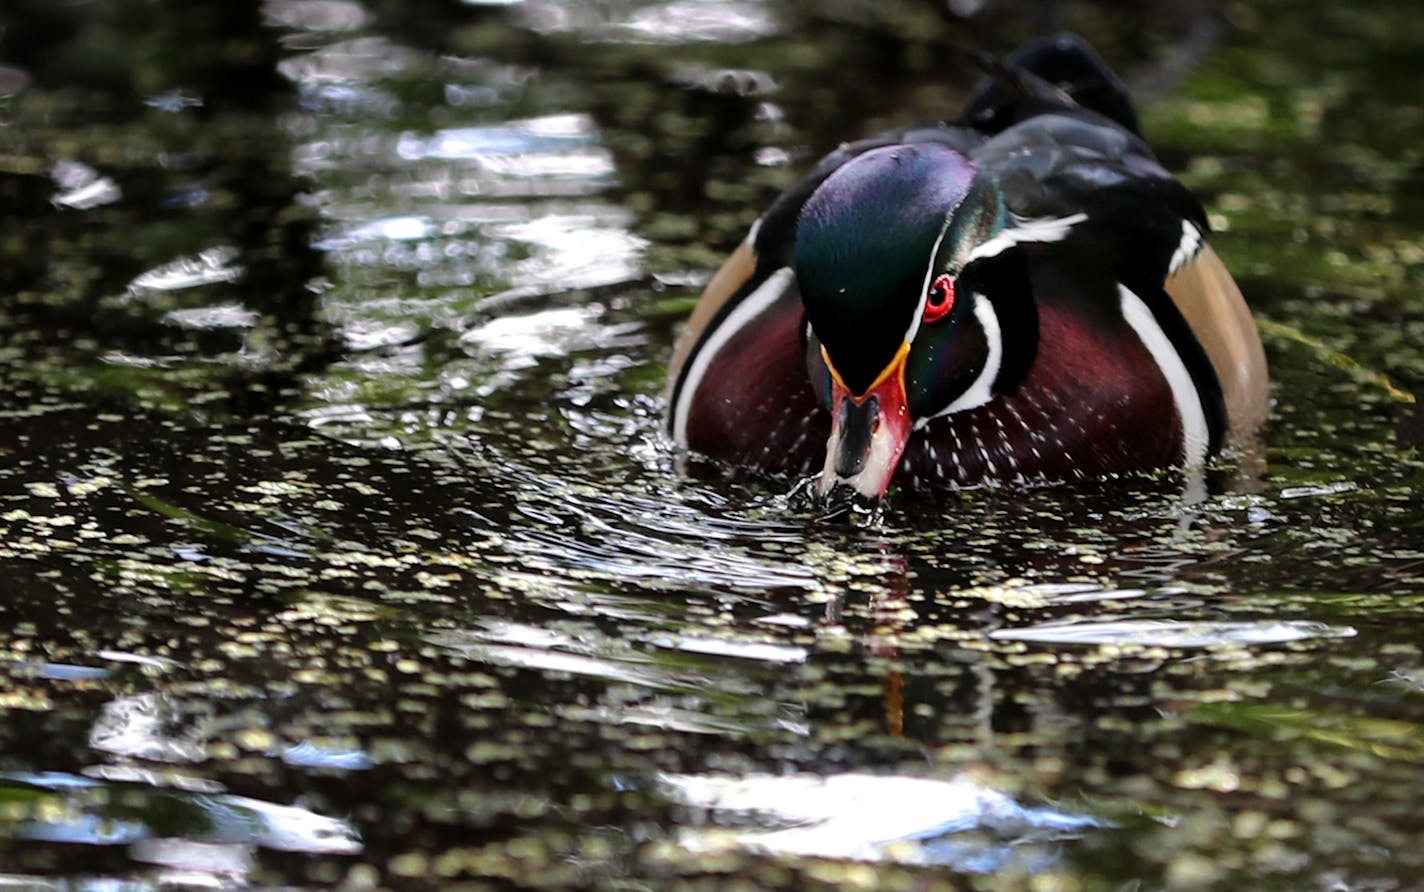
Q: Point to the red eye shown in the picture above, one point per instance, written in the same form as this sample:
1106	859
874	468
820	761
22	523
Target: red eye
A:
940	299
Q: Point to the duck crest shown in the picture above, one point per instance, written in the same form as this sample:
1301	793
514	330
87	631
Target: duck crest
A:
864	241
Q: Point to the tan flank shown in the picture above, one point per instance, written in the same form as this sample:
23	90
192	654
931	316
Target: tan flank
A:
1208	298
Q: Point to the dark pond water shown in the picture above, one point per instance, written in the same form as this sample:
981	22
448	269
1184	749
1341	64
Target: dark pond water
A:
340	544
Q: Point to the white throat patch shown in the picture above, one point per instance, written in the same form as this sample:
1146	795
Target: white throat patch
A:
982	389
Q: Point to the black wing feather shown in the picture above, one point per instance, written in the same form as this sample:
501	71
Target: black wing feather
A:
1017	87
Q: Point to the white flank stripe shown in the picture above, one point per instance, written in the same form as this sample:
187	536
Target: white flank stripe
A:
750	307
982	390
1191	243
1048	229
1184	391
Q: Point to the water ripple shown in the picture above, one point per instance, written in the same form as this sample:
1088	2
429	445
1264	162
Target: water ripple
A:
82	810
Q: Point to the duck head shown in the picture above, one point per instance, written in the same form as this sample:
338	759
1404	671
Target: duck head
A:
888	260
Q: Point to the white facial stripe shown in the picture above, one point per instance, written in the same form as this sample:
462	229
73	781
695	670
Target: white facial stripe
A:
1195	436
1191	243
750	307
914	328
982	390
1048	229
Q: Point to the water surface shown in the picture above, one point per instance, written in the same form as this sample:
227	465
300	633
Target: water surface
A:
341	543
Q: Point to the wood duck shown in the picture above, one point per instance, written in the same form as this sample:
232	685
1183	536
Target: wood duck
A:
1023	294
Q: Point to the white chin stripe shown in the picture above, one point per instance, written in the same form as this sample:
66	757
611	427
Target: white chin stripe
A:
982	389
752	305
1187	249
1195	436
1047	229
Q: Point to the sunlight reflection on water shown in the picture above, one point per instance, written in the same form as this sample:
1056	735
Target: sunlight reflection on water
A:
551	133
207	268
1174	633
681	21
953	823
